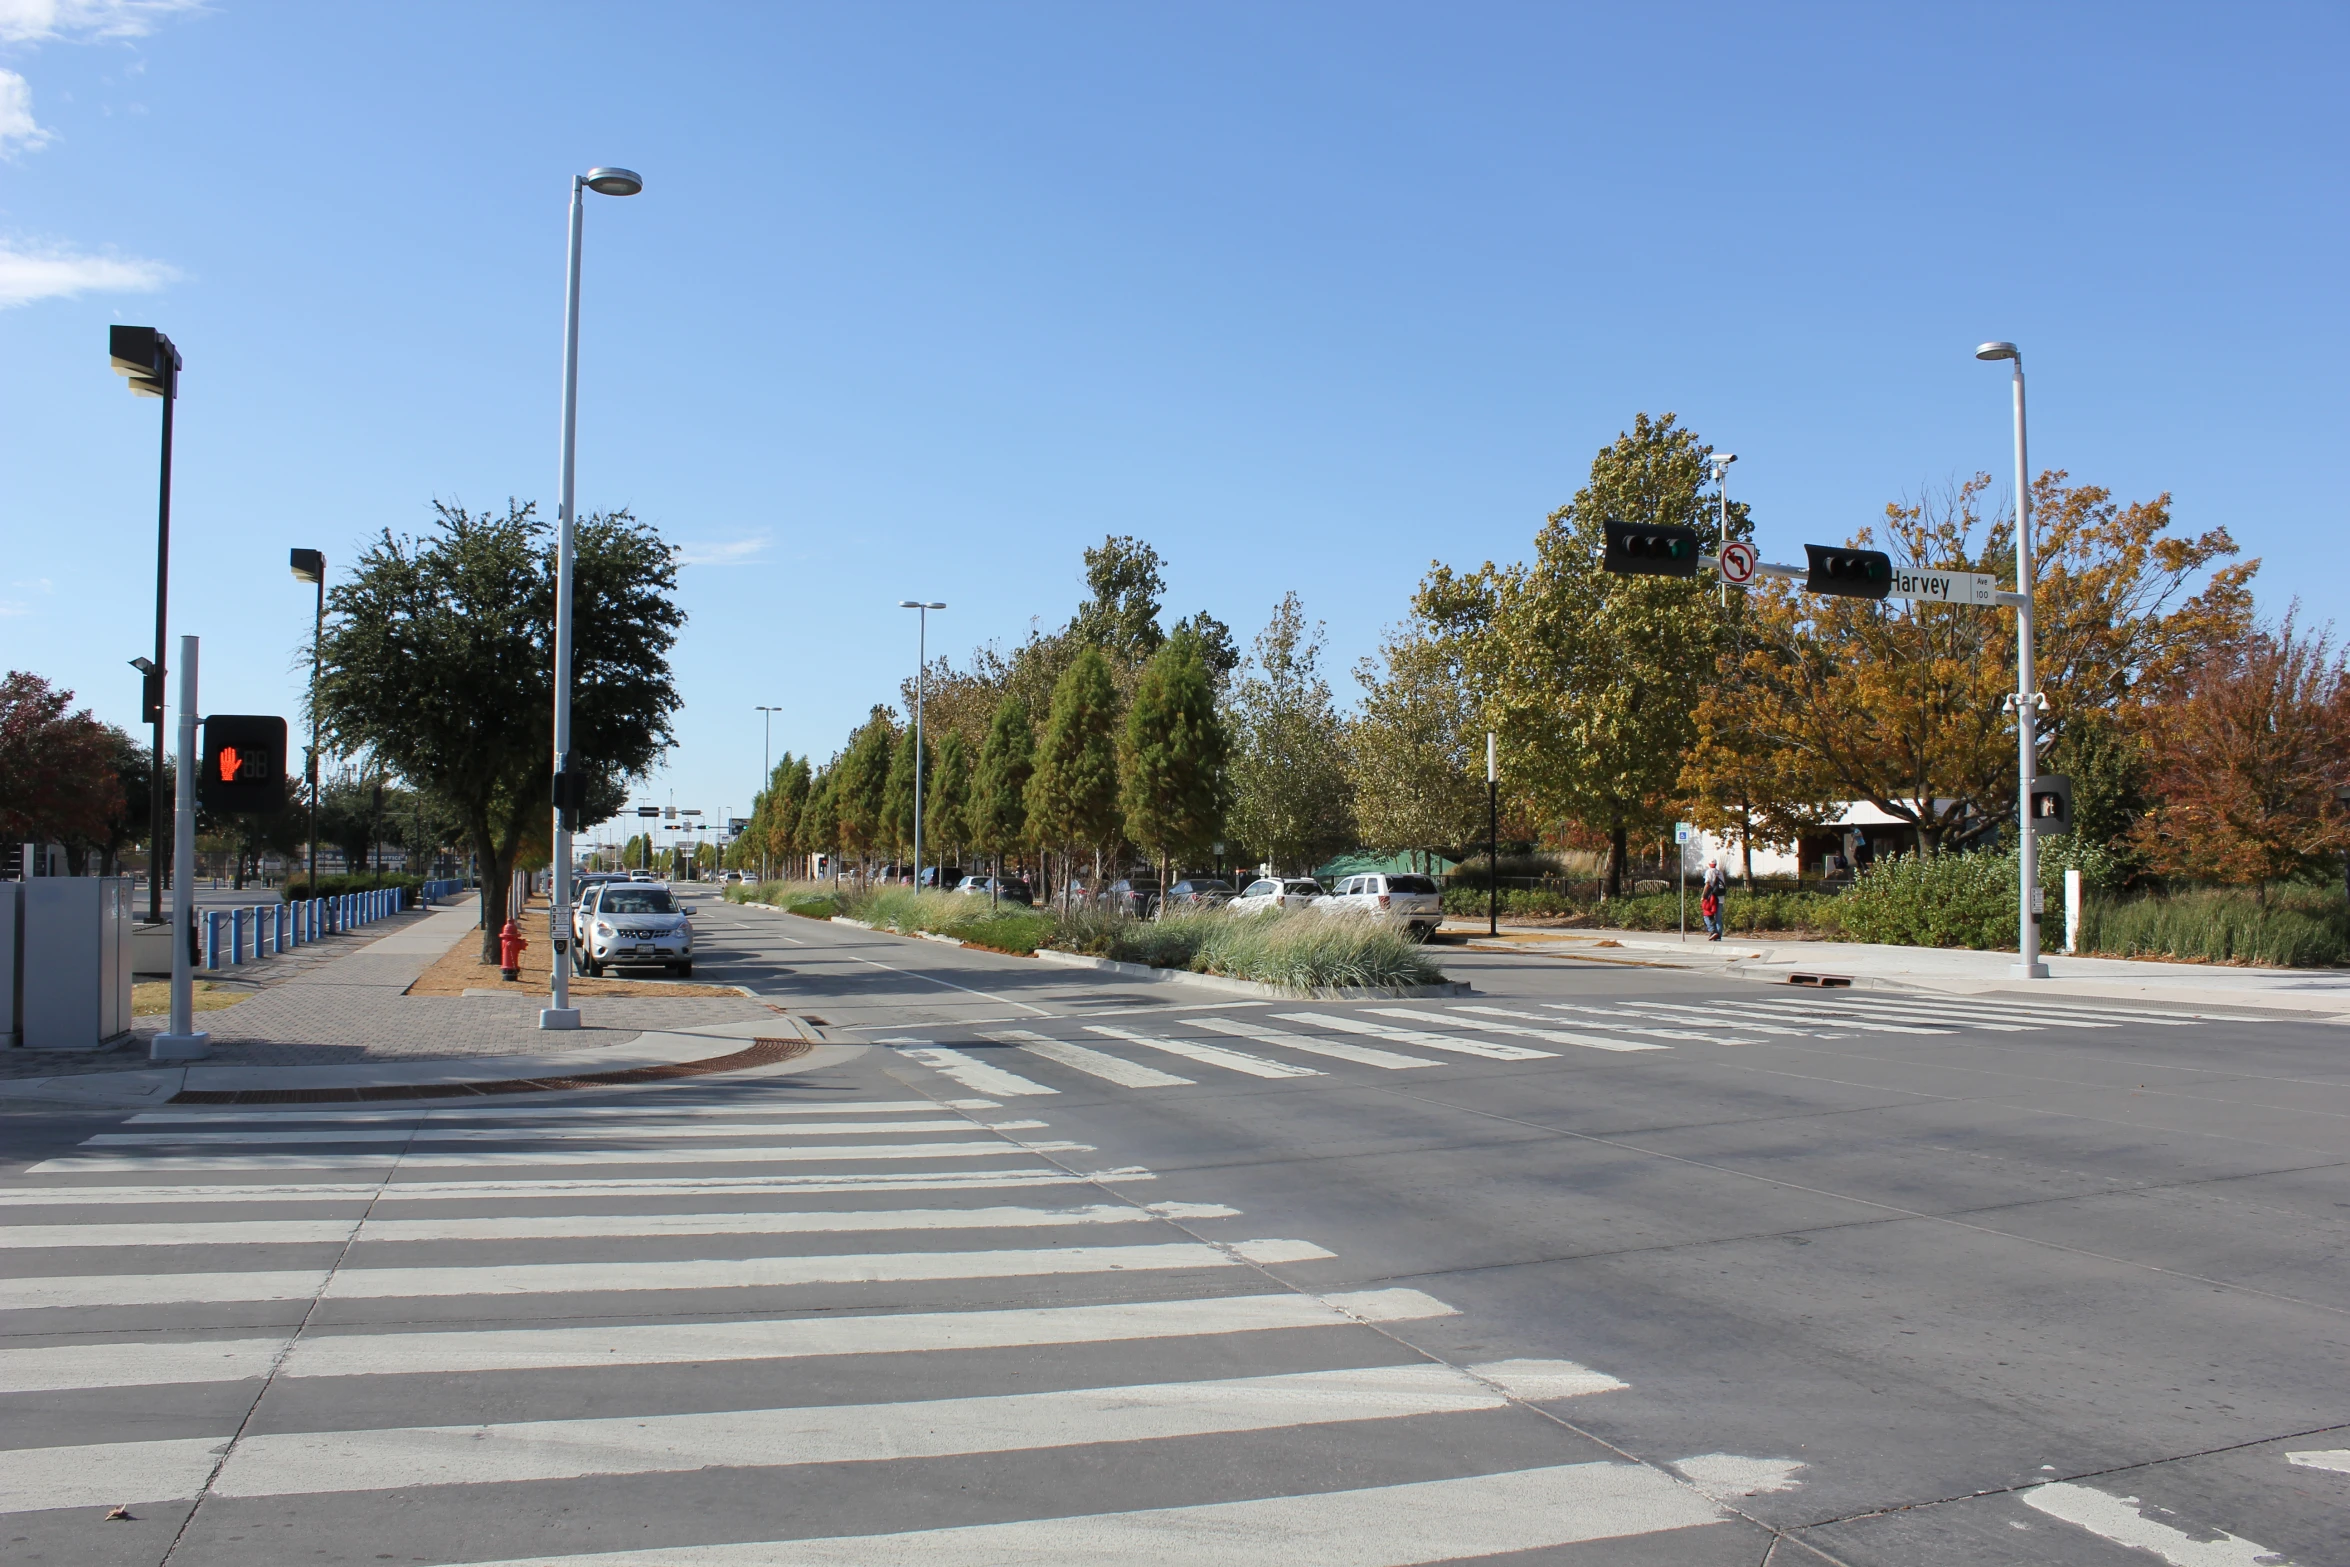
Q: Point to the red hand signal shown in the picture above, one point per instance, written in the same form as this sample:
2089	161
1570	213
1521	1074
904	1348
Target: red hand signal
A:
230	764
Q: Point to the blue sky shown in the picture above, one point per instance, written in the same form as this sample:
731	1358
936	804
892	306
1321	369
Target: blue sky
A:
921	300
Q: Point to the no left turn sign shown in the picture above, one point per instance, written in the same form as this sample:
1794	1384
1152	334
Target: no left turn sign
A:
1738	562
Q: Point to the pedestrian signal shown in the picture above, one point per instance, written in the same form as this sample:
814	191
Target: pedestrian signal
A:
244	763
1848	573
1646	550
2052	805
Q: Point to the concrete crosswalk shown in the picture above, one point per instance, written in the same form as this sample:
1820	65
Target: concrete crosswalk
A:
441	1406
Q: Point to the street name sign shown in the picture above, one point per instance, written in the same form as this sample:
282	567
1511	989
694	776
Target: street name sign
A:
1944	587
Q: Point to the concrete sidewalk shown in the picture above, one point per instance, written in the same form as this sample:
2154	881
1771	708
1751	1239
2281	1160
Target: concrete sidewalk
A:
353	1010
1954	970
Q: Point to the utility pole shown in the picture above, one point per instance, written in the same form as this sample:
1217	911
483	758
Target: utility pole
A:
1492	836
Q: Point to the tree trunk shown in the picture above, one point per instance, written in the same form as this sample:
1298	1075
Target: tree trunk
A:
1617	848
497	879
1746	839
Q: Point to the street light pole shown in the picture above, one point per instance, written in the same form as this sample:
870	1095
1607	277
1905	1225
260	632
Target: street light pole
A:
310	566
767	780
2027	697
152	364
561	1013
922	610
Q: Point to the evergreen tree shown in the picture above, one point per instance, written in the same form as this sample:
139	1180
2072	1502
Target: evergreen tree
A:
997	816
1073	798
1290	800
946	798
861	791
820	817
898	807
1172	756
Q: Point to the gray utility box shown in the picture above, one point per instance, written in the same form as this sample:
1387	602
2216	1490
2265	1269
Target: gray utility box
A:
11	964
76	973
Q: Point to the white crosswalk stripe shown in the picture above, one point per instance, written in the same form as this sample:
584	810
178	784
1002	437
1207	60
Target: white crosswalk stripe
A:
1675	1012
696	1374
1845	1007
1205	1054
1644	1026
1741	1010
1094	1063
1418	1036
581	1115
1361	1055
1553	1036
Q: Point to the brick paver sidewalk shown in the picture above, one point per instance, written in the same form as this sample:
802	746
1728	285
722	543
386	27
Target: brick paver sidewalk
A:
349	1008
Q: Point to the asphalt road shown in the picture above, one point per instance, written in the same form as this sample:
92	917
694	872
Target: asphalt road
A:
1632	1268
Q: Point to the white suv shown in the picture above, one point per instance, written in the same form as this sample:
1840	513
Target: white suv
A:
1410	901
1275	892
632	925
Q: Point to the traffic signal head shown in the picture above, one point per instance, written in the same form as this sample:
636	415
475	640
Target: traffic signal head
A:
571	798
1651	550
2052	804
1848	573
244	763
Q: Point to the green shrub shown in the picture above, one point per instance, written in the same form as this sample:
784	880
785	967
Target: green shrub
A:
1945	899
2296	928
297	888
814	900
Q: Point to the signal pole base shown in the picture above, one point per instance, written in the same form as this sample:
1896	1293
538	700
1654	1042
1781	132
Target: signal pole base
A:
568	1017
2029	970
180	1047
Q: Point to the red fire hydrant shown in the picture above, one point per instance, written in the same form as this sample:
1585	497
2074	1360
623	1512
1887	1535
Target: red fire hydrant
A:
510	945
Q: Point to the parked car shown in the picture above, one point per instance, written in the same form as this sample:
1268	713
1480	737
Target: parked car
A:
629	925
1199	892
1410	901
1275	892
1011	889
1133	895
935	877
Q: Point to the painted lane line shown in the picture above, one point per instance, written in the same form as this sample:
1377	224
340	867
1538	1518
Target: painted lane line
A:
1271	1251
1094	1063
932	979
317	1463
974	1073
1421	1037
526	1134
2338	1460
78	1366
167	1471
585	1114
432	1159
1644	1026
1208	1055
1741	1010
1553	1035
1362	1055
574	1278
574	1226
1385	1526
545	1191
1674	1012
2122	1520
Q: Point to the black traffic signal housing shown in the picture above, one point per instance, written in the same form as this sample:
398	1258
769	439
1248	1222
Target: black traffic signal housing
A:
2051	795
571	789
244	763
151	696
1651	550
1848	573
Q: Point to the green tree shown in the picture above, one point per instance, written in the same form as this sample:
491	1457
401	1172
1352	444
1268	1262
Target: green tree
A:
1073	796
1172	757
777	834
820	817
58	769
1122	616
1415	754
1591	679
439	659
861	786
998	812
1289	787
898	808
946	798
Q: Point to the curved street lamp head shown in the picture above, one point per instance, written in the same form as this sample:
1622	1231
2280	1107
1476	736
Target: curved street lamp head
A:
613	182
917	604
2000	351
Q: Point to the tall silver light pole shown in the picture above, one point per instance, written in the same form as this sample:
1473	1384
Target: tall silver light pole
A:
767	778
921	674
560	1013
2027	697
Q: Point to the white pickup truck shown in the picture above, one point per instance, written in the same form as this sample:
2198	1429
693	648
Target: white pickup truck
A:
1410	901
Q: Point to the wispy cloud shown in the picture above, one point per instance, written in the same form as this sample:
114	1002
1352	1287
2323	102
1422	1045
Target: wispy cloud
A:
35	21
30	272
722	552
17	126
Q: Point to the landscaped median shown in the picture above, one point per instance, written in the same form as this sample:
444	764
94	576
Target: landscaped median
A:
1300	950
